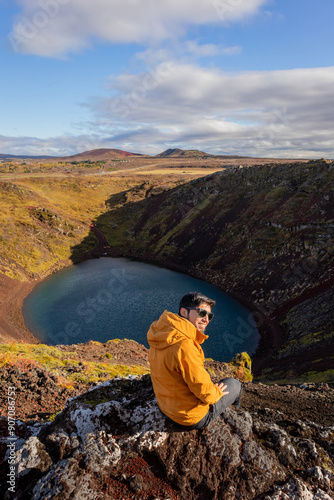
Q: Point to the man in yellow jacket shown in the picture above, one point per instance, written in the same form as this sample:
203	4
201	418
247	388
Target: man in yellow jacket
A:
183	388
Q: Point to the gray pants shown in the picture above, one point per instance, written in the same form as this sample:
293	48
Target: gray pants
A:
233	397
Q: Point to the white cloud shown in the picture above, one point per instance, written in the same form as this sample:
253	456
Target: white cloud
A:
54	146
57	27
197	50
265	113
188	51
284	113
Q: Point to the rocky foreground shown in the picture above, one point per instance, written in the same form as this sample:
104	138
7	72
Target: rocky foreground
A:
112	443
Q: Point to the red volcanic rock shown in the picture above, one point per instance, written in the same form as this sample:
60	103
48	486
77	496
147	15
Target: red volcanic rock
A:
113	443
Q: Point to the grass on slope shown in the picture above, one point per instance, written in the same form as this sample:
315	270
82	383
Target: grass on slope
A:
32	244
70	370
27	356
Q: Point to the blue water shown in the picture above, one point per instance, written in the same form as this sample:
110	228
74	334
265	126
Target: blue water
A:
109	298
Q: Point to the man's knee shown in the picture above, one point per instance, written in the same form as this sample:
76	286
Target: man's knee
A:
234	388
232	383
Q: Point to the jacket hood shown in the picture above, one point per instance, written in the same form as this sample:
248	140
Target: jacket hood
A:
170	329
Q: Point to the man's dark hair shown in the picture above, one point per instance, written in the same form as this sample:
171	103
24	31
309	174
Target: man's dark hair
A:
194	299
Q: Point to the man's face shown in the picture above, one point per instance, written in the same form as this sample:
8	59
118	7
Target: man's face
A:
192	316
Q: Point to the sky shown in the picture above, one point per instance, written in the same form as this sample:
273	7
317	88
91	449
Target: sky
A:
236	77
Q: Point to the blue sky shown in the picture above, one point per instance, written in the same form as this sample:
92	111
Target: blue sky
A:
248	77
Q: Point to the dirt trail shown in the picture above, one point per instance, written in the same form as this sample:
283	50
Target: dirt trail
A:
102	240
12	295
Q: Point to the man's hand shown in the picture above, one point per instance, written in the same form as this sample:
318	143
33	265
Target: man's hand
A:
222	386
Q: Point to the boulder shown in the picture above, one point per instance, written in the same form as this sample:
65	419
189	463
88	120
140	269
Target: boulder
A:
113	443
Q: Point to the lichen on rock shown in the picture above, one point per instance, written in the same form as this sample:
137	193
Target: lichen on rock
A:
124	449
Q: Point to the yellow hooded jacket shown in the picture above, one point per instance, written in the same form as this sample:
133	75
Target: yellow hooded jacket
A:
182	386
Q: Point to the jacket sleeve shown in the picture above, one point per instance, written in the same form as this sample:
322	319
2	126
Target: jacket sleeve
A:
195	375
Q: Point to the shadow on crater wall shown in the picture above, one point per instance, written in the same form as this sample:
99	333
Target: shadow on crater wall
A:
122	231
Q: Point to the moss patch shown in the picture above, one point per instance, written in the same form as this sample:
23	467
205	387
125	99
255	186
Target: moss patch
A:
64	364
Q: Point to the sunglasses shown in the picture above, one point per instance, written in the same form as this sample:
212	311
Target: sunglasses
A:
201	312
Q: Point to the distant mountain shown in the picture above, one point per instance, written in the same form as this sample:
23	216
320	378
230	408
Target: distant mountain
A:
176	153
99	154
117	154
94	155
191	153
4	156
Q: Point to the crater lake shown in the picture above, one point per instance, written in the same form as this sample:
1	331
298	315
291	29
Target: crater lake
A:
110	298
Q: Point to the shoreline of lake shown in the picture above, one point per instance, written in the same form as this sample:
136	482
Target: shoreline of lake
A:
12	325
13	293
14	329
101	299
